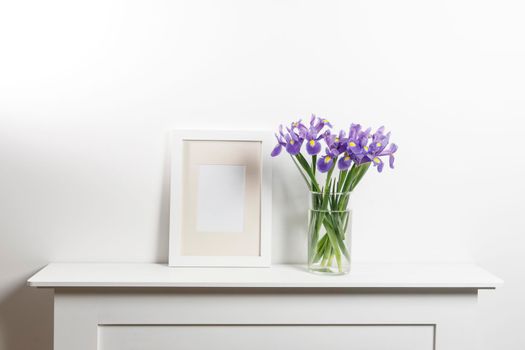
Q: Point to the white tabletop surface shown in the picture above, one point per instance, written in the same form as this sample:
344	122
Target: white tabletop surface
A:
367	275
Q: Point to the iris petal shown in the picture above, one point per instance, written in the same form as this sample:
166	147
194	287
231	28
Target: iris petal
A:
277	150
313	147
293	147
325	163
391	161
344	163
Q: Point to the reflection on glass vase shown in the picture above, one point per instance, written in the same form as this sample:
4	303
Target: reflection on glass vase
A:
329	233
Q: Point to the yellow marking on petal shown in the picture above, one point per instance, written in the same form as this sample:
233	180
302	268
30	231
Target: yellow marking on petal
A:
325	121
295	123
347	158
312	143
327	159
376	160
365	148
378	144
337	139
292	142
352	144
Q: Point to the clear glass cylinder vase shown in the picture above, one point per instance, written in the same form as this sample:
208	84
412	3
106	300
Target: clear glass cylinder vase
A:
329	233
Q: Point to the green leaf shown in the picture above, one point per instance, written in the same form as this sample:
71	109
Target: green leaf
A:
362	169
349	177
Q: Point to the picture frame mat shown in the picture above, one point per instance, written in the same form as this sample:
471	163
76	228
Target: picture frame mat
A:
176	207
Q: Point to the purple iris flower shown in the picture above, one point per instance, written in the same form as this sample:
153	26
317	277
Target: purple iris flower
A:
311	134
341	142
293	144
294	138
318	124
298	125
329	138
390	153
335	142
357	138
344	162
379	141
280	142
291	140
378	149
357	143
354	131
327	161
313	146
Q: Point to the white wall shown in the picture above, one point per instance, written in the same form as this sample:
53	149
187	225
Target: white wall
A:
89	90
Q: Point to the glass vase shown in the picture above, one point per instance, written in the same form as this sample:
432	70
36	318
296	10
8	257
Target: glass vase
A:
329	233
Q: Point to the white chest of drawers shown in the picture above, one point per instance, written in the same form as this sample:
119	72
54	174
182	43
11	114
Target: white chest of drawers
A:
154	307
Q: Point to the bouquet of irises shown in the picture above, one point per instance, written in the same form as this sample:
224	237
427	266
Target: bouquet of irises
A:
351	153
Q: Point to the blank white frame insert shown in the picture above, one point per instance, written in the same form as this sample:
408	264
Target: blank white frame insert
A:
220	198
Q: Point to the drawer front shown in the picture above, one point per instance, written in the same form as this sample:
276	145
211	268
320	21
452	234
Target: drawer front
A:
259	337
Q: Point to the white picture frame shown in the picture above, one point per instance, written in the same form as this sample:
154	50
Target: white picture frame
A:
184	237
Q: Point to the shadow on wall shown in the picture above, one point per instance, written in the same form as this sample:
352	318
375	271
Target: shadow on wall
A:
164	208
26	319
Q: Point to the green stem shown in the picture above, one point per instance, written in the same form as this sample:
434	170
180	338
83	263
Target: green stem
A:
342	178
302	161
354	176
328	183
321	248
335	234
